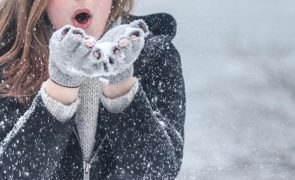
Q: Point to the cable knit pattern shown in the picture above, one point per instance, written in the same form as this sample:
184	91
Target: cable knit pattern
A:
57	109
119	104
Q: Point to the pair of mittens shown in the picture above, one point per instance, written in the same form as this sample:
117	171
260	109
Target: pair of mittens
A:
75	56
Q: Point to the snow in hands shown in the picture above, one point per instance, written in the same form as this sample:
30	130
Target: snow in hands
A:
76	53
116	50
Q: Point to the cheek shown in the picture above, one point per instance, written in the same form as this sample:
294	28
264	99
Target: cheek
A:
57	13
102	14
105	8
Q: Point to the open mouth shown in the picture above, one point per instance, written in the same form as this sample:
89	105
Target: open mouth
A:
82	18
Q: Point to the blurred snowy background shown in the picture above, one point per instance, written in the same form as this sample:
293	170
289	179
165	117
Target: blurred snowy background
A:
238	61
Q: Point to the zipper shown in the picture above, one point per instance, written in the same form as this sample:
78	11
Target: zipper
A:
86	167
87	164
76	133
98	149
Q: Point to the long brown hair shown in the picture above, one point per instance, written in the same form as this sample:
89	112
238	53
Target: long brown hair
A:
25	31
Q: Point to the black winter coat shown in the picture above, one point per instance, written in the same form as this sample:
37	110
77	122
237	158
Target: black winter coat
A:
145	141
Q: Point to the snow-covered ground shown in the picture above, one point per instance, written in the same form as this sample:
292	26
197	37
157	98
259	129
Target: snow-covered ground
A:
238	58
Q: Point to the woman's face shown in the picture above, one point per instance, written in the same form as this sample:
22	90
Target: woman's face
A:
90	15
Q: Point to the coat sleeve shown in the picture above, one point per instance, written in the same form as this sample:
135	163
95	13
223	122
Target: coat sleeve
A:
32	141
147	137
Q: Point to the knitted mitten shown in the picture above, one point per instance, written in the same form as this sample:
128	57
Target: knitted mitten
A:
69	56
130	39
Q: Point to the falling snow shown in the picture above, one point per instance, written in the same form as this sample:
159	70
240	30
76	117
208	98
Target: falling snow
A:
144	140
238	64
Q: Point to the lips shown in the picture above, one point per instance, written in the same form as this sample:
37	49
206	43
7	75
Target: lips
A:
82	18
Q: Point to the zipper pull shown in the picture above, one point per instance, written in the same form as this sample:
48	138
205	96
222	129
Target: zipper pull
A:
87	167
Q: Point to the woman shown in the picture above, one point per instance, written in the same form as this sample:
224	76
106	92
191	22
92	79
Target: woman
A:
85	127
